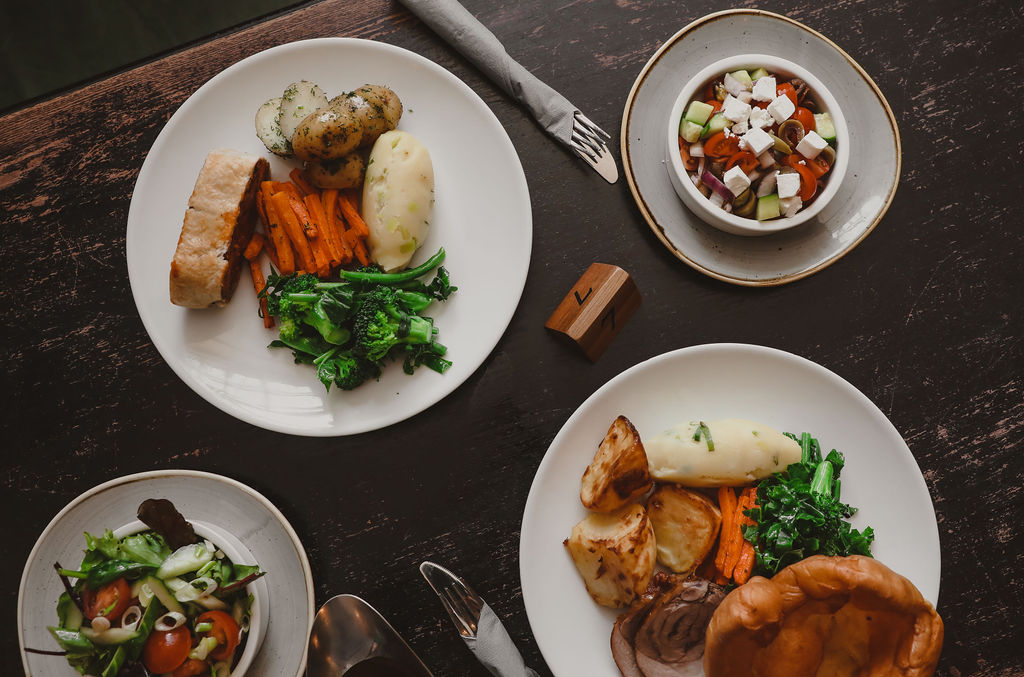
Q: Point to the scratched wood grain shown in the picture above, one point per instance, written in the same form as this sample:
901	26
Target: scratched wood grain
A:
924	317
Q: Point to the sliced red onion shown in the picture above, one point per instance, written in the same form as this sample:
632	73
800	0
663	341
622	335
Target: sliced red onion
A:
717	186
753	175
696	181
697	149
700	166
716	200
727	207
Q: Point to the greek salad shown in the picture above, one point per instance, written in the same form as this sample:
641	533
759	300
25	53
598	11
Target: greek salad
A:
757	144
162	601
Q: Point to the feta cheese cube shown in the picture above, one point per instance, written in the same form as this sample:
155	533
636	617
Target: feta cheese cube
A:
781	108
767	185
811	145
735	110
732	85
789	206
764	88
767	160
758	141
745	96
736	181
788	184
760	118
740	127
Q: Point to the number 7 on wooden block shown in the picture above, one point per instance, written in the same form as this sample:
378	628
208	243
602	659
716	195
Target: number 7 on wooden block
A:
596	309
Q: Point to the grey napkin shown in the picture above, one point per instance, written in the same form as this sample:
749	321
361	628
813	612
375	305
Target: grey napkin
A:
494	648
458	27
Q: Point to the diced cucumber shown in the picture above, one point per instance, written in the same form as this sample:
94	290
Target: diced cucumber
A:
185	559
160	591
824	126
758	74
68	613
768	207
690	131
716	124
698	112
71	641
744	78
110	637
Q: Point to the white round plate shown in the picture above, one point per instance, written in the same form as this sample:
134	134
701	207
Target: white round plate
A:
482	218
871	176
204	497
715	381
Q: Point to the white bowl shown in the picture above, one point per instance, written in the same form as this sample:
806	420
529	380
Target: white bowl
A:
700	205
238	554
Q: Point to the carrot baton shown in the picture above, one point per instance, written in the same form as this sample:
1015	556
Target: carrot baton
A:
296	234
299	179
255	246
260	283
329	199
727	504
316	212
745	565
735	544
282	249
321	257
351	215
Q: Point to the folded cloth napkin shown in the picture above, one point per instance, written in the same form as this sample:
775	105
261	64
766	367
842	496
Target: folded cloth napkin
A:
458	27
494	648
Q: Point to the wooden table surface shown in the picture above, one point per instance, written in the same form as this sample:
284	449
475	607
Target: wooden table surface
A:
924	316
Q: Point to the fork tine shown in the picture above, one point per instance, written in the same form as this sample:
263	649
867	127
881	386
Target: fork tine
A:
459	602
590	142
589	124
473	601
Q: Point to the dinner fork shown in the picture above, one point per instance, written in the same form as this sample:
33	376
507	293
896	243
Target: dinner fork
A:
591	143
461	602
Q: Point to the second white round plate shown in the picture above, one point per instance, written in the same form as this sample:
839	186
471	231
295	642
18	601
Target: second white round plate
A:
482	218
715	381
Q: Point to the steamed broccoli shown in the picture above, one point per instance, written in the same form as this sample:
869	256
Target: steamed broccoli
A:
381	324
345	370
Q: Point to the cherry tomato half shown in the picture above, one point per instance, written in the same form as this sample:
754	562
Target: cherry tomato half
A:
720	146
805	117
108	601
808	182
819	166
166	650
684	152
789	90
191	668
745	159
225	629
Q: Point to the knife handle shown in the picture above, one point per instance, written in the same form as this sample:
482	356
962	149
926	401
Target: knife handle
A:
458	27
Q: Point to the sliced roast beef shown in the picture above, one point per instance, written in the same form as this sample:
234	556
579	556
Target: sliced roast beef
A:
670	640
627	625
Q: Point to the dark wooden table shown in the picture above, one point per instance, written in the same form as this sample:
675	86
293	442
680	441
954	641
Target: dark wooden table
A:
925	316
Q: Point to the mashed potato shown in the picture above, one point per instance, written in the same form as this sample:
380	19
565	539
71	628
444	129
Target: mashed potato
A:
744	451
398	198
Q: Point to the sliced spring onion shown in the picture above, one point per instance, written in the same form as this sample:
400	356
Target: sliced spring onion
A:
221	669
706	431
131	617
169	621
203	649
100	624
204	627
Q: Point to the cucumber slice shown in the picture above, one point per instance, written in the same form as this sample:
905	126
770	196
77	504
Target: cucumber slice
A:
72	641
698	112
768	207
111	637
758	74
716	124
160	591
690	131
744	78
824	126
185	559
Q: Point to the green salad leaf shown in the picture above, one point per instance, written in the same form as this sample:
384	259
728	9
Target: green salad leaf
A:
800	514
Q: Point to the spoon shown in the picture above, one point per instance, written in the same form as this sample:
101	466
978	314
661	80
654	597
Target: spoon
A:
350	638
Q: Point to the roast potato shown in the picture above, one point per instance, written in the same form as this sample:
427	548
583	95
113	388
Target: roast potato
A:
615	554
685	523
618	475
343	172
347	122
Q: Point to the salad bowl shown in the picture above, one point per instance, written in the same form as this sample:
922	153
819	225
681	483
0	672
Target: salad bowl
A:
704	208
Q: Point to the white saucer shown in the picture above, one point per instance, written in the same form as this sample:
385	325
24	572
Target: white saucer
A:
868	187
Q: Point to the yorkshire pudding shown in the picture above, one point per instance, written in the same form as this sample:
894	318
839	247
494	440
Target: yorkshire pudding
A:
825	617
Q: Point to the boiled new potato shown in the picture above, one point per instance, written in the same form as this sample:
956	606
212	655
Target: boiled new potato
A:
738	452
298	101
346	123
615	554
686	524
398	198
618	474
344	172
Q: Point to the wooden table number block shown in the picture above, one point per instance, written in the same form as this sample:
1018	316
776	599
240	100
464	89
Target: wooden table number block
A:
596	308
